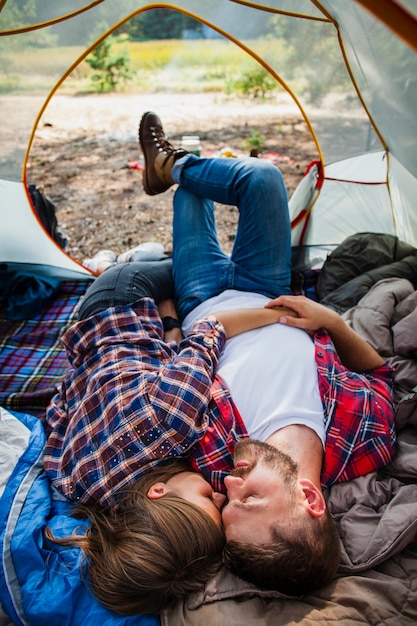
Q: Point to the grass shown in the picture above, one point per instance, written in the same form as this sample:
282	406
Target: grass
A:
176	65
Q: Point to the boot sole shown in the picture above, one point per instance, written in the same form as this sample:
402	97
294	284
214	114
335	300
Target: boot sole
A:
145	182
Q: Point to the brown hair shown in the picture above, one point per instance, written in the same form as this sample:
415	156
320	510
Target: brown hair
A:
294	564
148	553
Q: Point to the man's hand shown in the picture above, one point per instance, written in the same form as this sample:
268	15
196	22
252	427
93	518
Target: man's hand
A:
354	352
309	315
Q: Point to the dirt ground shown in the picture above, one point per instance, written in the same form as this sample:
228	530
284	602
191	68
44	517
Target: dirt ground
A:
85	157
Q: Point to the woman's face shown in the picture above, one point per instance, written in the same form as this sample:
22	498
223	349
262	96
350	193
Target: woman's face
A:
195	489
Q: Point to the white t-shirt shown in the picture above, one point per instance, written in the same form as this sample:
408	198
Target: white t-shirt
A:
270	372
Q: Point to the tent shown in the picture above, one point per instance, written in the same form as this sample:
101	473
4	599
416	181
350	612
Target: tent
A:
366	176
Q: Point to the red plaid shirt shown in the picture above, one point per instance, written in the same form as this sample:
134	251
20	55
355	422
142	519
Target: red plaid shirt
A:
359	416
132	402
359	423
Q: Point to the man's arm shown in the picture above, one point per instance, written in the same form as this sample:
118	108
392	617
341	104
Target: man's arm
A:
354	352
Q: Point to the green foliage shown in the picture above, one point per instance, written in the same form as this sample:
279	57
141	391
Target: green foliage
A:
163	65
110	69
17	14
255	83
160	24
255	142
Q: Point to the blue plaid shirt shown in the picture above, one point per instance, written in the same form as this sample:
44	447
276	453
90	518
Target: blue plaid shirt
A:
131	401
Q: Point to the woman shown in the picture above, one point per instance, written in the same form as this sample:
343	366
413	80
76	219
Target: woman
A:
124	432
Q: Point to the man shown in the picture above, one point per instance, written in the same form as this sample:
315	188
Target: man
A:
294	395
135	401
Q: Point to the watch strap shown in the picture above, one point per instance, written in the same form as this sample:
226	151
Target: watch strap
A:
169	323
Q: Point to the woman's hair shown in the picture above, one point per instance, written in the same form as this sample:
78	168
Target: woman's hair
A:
293	563
147	553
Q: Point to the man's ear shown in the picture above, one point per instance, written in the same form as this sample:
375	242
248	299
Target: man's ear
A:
158	490
314	500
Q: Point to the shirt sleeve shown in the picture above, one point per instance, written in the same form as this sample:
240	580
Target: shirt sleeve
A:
132	363
131	402
181	390
359	417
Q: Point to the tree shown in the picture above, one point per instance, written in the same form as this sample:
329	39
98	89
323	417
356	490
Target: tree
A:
160	24
312	54
110	69
20	13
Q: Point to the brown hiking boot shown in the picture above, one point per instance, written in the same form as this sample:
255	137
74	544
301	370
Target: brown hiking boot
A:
158	153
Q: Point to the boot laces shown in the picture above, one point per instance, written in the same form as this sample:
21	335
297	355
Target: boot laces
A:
164	145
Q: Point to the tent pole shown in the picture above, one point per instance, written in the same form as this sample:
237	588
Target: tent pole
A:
393	15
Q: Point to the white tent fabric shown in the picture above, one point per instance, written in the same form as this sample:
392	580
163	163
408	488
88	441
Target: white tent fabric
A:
24	241
366	142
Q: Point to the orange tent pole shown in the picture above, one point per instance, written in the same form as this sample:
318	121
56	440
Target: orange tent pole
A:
393	15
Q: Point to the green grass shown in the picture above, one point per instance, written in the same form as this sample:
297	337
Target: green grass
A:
176	65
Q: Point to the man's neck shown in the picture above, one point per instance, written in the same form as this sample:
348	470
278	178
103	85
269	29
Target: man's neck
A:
304	446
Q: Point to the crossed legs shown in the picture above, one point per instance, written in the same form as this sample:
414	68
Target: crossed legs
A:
261	255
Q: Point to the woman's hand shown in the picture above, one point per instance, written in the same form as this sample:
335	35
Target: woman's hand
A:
167	308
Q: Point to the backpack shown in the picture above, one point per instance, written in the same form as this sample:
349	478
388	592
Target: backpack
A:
45	210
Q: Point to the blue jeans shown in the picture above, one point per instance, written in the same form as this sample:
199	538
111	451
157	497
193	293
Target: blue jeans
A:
261	257
124	283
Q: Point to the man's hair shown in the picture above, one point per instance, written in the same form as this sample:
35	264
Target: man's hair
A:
148	553
293	563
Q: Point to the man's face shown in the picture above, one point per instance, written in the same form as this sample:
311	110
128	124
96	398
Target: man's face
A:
261	492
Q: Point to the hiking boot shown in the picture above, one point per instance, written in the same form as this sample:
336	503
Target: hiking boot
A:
159	155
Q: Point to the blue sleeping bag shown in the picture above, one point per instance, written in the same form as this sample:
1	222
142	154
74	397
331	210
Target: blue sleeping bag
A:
42	583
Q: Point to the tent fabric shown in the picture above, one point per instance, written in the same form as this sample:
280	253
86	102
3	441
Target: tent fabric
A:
377	113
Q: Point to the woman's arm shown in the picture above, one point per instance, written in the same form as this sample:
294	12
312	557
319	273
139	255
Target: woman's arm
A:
241	320
354	352
166	308
234	321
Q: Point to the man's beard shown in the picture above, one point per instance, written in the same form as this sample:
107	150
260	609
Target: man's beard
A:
255	452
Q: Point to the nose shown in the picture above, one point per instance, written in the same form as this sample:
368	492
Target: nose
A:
231	483
219	500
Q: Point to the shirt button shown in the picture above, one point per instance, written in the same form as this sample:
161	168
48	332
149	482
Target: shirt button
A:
320	354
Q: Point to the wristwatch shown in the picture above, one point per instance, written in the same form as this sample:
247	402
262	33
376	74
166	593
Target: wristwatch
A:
169	323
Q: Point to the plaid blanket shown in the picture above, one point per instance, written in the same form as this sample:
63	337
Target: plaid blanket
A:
32	359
